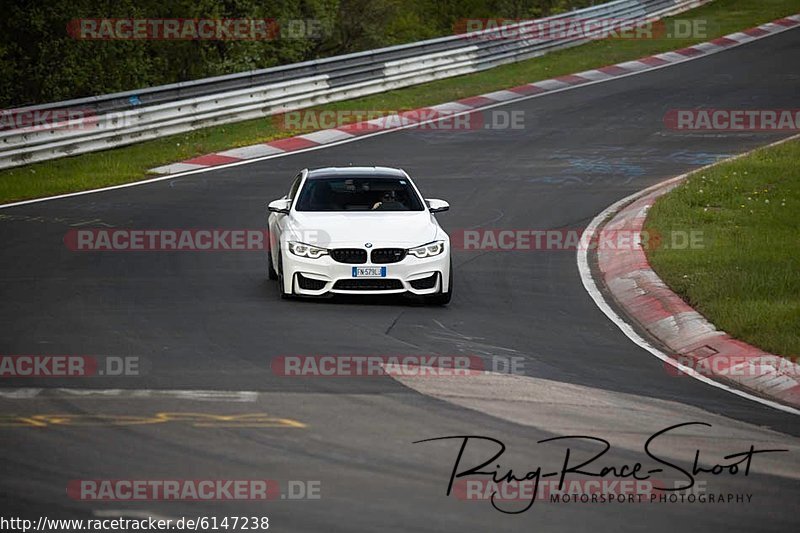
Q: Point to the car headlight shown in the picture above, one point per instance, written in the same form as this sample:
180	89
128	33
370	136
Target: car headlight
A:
306	250
427	250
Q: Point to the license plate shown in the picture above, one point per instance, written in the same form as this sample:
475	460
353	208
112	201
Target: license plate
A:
369	272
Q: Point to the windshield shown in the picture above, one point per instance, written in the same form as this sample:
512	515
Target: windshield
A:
370	193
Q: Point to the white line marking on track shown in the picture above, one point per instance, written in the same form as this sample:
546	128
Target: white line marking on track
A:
627	329
127	394
248	152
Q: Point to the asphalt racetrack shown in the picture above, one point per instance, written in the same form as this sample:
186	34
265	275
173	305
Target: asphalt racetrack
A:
211	321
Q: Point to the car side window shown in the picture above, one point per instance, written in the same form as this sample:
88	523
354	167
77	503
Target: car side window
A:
294	187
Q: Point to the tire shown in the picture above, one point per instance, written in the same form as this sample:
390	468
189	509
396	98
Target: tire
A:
443	298
270	267
284	295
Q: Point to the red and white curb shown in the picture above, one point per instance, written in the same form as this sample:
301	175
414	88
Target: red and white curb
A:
693	342
475	103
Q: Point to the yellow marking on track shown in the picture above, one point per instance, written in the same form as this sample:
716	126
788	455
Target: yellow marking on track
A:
199	420
203	420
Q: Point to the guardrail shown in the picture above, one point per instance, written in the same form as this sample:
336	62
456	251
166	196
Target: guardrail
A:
124	118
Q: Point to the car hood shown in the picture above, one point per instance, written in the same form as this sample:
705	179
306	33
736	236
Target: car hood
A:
358	228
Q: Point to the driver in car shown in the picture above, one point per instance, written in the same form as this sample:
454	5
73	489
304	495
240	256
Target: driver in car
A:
388	202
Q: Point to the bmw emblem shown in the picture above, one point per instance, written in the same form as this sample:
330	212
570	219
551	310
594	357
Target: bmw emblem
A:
368	245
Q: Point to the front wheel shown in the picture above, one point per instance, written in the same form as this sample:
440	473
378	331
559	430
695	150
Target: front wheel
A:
284	295
443	298
270	267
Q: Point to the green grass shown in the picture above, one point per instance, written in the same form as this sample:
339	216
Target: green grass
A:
131	163
746	277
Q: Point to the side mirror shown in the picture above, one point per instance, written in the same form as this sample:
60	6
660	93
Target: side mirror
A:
280	206
437	206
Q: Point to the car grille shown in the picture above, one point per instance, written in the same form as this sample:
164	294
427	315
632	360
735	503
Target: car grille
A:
425	283
368	284
387	255
310	284
353	256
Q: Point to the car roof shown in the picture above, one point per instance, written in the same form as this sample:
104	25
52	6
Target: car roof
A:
328	172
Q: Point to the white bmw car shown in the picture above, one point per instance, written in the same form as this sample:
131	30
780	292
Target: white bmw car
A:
358	230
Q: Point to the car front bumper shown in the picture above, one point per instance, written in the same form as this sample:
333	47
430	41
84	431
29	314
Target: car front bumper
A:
338	277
